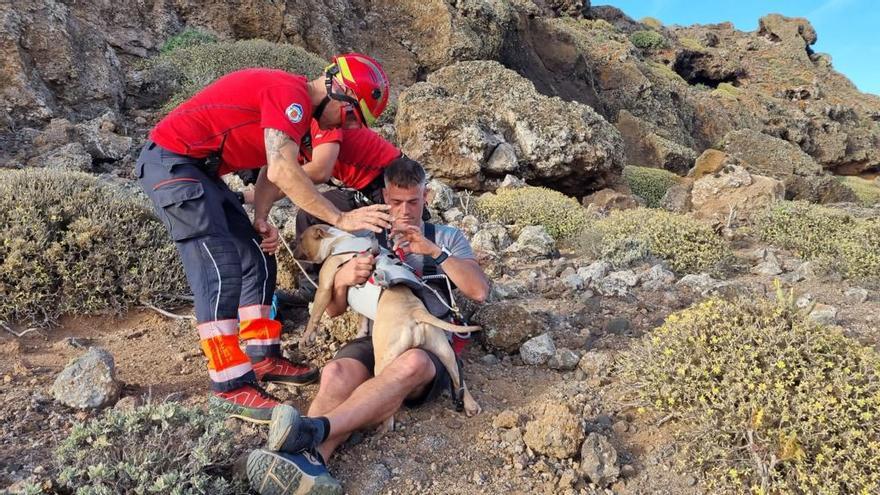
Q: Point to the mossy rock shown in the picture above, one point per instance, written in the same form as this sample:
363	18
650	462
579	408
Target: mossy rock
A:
759	378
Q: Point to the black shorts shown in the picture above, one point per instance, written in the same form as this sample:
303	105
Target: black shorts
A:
361	349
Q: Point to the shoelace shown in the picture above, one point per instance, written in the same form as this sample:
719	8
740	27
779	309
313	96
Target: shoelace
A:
263	393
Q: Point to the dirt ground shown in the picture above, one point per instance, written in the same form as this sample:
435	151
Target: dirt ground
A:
433	449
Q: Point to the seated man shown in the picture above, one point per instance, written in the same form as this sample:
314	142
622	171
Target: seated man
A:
350	397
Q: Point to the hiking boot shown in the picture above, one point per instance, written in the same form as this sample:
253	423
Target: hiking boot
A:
292	433
278	473
249	402
282	370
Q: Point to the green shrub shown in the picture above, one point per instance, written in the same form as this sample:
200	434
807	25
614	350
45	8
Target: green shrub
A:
156	448
648	183
652	22
769	401
647	40
562	216
187	38
866	191
832	238
72	244
726	90
691	44
195	67
686	244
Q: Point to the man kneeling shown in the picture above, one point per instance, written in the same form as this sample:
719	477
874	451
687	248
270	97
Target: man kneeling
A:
350	397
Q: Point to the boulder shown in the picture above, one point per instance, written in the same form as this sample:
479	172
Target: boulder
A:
88	382
608	199
709	162
734	189
772	157
455	122
646	147
506	326
677	198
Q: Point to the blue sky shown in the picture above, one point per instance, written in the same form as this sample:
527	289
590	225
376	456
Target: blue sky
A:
849	30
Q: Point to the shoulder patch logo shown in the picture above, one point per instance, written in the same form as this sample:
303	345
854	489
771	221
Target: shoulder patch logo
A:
295	113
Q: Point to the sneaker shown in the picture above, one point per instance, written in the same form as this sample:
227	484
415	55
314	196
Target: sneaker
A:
283	370
278	473
292	433
249	402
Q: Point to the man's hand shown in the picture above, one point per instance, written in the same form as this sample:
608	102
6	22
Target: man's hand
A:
411	239
356	271
374	218
269	234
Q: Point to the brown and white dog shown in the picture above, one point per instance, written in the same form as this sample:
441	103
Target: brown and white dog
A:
402	322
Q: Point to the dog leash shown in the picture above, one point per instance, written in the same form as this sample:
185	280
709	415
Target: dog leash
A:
287	246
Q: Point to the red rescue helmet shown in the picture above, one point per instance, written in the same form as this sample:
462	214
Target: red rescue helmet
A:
365	78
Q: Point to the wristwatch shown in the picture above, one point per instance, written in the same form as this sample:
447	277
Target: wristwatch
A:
444	253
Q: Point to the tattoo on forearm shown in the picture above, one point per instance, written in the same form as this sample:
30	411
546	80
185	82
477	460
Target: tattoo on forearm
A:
275	141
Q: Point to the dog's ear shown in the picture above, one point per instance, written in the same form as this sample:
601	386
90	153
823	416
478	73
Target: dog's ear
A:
322	232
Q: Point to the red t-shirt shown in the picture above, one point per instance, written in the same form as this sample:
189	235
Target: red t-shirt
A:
363	154
232	112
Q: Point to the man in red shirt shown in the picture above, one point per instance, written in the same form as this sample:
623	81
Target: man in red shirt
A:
245	120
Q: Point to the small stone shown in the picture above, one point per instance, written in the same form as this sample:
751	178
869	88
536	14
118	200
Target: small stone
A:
503	159
564	360
599	460
511	182
824	314
533	242
617	326
620	427
702	283
573	281
88	382
595	271
769	266
556	432
490	360
440	195
537	350
804	301
617	283
856	295
657	278
596	363
128	403
453	215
